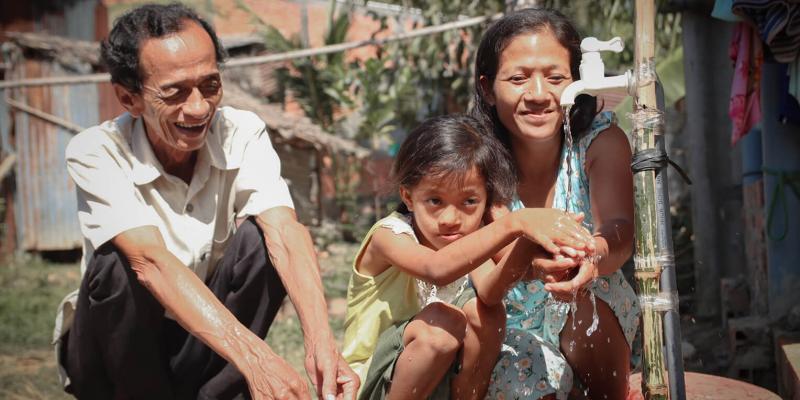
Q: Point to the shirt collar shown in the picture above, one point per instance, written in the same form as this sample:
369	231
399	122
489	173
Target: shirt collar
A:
147	168
215	143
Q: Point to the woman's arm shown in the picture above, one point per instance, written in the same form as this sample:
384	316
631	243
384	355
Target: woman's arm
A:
608	167
611	195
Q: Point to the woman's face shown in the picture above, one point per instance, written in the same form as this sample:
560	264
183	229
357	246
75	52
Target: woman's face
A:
533	70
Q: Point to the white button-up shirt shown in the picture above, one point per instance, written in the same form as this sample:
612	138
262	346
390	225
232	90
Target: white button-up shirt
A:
121	185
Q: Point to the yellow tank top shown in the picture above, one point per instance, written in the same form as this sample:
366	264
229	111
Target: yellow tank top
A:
375	303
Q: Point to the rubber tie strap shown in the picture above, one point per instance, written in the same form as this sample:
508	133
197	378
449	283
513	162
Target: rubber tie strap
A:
653	160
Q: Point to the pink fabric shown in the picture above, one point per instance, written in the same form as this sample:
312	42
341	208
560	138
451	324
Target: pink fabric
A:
745	106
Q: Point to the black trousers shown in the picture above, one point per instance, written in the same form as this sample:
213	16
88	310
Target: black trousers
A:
121	346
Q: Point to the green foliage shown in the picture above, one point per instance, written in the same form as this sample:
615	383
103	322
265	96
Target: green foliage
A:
432	75
411	80
606	19
319	84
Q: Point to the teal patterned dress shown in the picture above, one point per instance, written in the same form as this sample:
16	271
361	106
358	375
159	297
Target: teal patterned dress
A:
531	364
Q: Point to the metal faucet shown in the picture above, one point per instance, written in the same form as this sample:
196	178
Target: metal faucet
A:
592	69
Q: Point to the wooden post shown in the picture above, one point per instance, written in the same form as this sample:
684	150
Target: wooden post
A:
648	268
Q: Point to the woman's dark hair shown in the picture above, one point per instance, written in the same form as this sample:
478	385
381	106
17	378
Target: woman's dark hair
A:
452	145
495	40
120	50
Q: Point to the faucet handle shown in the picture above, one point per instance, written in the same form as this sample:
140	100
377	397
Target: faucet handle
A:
591	44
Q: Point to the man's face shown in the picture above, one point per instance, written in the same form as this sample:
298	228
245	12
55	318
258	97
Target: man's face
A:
181	90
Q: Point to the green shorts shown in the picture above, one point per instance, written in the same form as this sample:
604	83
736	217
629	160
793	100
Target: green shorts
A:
387	351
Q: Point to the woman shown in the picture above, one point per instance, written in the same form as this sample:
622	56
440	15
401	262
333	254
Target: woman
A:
524	62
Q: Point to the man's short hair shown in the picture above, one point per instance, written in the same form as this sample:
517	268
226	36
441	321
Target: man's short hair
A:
120	50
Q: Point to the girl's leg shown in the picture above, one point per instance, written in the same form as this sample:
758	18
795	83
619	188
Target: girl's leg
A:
485	334
601	361
431	341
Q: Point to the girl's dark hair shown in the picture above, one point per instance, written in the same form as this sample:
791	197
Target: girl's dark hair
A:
452	145
495	40
119	52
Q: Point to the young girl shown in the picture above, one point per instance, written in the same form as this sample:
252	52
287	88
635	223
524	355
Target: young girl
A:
524	62
414	327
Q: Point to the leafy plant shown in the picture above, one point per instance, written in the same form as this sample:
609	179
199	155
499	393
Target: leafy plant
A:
319	84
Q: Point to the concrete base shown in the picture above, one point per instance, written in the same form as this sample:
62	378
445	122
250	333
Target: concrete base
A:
702	386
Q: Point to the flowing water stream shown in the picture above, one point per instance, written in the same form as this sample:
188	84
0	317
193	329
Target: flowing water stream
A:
568	144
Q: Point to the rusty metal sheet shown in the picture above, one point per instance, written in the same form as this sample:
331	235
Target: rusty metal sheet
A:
46	202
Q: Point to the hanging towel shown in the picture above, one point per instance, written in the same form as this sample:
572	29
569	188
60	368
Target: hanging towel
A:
778	23
794	78
788	107
745	105
723	10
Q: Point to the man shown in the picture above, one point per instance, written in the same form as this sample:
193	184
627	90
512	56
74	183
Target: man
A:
191	241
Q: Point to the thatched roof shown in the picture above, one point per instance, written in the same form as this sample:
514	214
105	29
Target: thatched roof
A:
290	128
67	52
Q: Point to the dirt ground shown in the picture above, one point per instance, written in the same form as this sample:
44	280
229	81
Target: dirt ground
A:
30	290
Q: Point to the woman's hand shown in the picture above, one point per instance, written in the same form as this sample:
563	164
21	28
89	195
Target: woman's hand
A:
556	231
563	276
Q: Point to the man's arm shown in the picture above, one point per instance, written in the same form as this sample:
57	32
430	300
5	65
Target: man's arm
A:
198	311
292	253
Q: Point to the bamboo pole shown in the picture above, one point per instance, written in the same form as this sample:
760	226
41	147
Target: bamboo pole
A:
648	269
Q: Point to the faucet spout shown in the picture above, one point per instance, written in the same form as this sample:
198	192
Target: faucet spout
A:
623	83
571	92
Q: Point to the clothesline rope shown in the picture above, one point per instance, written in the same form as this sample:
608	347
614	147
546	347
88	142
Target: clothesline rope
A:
270	58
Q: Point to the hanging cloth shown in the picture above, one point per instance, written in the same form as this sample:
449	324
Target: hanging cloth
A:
788	106
778	23
745	104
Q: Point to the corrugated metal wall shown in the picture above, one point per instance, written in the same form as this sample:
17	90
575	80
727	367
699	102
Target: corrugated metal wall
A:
46	218
45	203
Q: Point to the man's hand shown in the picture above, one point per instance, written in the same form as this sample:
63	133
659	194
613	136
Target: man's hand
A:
330	374
292	253
277	380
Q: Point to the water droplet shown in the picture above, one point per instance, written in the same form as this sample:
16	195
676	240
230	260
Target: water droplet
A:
595	317
614	373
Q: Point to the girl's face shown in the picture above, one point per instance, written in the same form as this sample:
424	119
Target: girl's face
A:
532	72
446	208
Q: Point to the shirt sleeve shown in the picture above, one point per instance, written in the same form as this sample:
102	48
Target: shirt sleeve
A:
259	185
108	201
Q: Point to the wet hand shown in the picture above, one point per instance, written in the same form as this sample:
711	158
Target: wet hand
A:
556	231
573	280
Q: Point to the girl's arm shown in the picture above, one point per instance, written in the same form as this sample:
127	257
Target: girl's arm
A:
547	227
492	281
611	191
